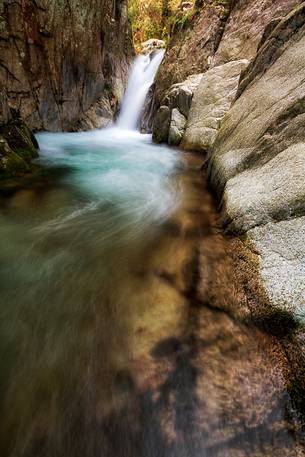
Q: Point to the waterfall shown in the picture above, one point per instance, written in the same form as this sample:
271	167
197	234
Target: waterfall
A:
142	76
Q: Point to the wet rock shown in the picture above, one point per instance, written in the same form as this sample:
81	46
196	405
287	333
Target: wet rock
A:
148	112
161	125
177	127
210	103
98	116
10	162
18	147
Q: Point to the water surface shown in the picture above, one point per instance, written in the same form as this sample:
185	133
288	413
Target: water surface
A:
110	344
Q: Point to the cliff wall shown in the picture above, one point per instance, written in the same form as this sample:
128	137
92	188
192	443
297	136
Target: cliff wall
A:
59	58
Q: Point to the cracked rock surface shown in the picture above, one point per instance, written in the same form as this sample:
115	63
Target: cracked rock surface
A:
58	59
257	162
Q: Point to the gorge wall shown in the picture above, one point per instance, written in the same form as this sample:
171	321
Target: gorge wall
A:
246	116
63	64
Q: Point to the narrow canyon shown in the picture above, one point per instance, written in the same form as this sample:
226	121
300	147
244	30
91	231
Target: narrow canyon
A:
152	228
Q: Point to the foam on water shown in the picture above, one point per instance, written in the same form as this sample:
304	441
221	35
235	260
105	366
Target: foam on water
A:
117	166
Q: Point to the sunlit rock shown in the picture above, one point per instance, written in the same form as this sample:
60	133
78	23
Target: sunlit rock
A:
152	45
210	103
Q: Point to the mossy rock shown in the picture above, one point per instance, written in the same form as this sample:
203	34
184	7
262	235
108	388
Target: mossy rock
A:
18	147
20	139
11	164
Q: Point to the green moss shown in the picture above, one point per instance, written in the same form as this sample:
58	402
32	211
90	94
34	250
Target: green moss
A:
18	147
11	164
19	139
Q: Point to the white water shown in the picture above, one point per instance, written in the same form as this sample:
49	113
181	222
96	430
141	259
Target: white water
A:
141	78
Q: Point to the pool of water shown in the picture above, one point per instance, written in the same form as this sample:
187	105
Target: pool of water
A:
109	348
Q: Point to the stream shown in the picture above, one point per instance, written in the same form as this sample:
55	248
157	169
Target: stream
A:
118	336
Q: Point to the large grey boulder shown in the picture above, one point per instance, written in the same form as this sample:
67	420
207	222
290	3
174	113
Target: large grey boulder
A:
273	191
282	261
257	163
177	127
180	95
210	103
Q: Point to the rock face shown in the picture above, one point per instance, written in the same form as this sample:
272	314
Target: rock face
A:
246	25
177	127
282	259
161	124
211	101
58	59
192	46
217	32
258	161
178	98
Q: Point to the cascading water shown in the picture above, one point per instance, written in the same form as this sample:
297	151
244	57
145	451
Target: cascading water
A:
141	78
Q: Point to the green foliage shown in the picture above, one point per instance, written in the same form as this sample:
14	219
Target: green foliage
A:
151	19
181	20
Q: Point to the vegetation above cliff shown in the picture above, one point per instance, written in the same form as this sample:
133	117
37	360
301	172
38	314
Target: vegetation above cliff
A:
161	18
152	19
